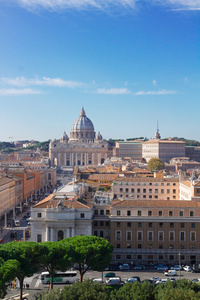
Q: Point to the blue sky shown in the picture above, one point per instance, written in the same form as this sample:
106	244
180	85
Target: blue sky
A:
129	63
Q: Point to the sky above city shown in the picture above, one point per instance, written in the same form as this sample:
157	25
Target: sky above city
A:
129	63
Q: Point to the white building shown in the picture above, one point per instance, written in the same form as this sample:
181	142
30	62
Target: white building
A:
58	216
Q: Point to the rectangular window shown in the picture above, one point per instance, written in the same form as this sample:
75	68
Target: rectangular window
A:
171	236
128	256
118	246
150	225
118	224
138	190
191	213
139	235
82	215
139	213
160	257
160	236
102	212
160	213
128	212
160	225
193	236
39	238
132	190
121	190
128	224
150	236
162	191
118	212
149	213
39	215
171	257
95	232
96	212
168	191
129	235
126	190
139	225
118	235
171	225
182	225
95	223
170	213
101	223
192	225
144	190
107	212
181	213
107	223
139	246
156	191
182	236
174	191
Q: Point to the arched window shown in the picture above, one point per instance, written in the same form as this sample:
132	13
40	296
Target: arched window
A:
60	235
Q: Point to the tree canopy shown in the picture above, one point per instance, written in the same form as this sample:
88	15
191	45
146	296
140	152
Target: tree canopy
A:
90	251
54	257
8	269
155	164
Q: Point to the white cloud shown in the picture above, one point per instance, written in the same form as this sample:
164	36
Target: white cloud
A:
17	92
76	4
59	5
154	82
113	91
160	92
45	81
180	4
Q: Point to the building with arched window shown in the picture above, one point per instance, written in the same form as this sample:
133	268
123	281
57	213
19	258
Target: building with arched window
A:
83	147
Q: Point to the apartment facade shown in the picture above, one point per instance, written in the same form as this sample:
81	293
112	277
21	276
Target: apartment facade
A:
145	232
7	194
145	188
130	149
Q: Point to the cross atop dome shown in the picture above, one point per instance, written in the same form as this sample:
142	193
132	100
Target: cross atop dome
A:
82	114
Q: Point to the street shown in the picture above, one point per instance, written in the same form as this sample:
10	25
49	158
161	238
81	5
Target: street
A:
35	284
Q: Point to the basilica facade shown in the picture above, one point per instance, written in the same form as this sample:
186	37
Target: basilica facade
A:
83	147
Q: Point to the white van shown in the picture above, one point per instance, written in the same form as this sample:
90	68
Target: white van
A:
113	281
170	273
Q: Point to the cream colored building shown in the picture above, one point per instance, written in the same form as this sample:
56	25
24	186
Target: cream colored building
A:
82	148
7	194
145	188
162	149
190	190
132	149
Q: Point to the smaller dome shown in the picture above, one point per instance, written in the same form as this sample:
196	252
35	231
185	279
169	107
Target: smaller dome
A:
99	137
64	137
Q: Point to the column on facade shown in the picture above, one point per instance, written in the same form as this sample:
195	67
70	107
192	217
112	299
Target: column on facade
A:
47	233
81	159
58	162
76	156
85	154
68	232
73	231
65	159
72	159
93	163
52	233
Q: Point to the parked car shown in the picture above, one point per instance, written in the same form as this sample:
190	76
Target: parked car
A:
154	279
176	267
113	281
196	280
187	268
139	267
98	280
124	267
158	266
163	268
109	275
133	279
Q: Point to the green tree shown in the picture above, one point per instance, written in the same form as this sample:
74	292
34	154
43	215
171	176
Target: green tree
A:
86	290
55	256
26	253
155	164
8	271
90	251
135	291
